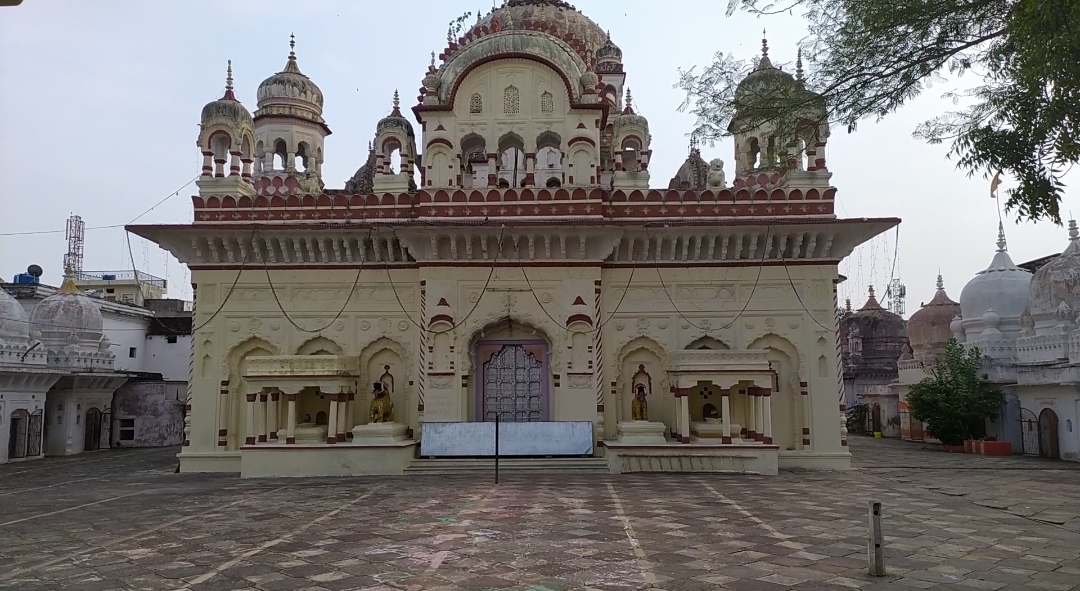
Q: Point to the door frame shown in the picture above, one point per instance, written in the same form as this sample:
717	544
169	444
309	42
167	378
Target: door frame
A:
537	347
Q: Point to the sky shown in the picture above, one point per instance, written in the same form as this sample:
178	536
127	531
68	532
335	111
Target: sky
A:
100	103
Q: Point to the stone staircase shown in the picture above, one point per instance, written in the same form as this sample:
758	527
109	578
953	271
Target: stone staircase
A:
450	466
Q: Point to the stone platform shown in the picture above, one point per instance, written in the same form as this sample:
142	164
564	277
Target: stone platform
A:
340	459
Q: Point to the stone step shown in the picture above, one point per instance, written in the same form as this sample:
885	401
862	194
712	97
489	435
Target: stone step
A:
508	465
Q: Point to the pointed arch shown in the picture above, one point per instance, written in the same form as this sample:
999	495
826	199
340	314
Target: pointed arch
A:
707	342
647	343
380	344
319	345
245	348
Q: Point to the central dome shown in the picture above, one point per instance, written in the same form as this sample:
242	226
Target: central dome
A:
68	317
14	327
564	20
1002	287
291	90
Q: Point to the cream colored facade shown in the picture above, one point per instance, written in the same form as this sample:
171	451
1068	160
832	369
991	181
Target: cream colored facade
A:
493	258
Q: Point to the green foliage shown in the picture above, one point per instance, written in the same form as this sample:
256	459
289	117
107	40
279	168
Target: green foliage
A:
458	25
870	57
951	402
856	418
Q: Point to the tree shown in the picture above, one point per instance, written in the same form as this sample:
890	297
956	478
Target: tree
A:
1022	117
952	403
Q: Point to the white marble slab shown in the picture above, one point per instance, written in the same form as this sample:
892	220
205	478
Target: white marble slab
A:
554	438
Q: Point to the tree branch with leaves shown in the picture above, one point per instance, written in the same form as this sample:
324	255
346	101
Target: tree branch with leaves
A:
871	57
952	402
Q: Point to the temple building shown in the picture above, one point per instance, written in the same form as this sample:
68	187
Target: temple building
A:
871	340
501	263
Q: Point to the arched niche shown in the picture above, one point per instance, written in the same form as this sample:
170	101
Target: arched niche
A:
582	157
708	343
525	347
786	400
384	360
319	345
442	349
512	328
235	368
643	354
580	351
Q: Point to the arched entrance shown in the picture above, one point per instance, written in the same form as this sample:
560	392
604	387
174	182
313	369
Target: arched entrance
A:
875	418
92	439
512	380
17	435
33	442
1048	434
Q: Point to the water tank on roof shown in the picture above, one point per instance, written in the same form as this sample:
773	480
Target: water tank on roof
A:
108	277
25	278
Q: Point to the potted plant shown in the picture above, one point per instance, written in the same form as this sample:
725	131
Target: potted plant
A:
952	402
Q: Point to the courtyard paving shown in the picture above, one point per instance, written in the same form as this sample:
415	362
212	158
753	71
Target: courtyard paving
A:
121	519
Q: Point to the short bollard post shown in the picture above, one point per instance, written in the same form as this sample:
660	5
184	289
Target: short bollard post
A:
876	542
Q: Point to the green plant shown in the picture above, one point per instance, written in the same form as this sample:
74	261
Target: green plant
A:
1015	111
952	403
856	418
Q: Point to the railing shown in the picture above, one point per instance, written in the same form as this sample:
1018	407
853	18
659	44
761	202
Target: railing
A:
140	276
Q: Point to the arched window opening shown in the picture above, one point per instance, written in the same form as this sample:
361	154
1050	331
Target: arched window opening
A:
553	182
302	157
611	95
549	159
511	160
219	145
260	152
474	161
631	155
547	103
392	155
476	103
753	153
281	154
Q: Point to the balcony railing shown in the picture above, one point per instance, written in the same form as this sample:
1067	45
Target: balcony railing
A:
125	276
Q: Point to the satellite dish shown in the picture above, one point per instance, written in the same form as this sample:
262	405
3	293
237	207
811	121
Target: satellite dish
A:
34	270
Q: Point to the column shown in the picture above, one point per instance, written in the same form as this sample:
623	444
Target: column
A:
759	414
208	164
766	401
290	422
332	420
234	163
223	415
805	395
350	415
677	430
725	415
275	406
249	439
684	412
219	167
343	416
751	414
260	413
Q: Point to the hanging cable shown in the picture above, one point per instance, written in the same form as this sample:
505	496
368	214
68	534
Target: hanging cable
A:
761	265
356	281
799	298
487	282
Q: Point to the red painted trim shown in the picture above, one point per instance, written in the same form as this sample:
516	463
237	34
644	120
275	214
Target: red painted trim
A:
262	438
293	121
273	435
249	441
503	264
580	140
440	141
579	318
290	440
616	447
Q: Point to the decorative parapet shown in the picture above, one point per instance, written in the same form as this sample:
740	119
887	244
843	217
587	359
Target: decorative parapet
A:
302	366
22	356
1004	349
82	361
282	203
1051	348
905	364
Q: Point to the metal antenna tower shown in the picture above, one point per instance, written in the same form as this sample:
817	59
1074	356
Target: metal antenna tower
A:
75	232
897	293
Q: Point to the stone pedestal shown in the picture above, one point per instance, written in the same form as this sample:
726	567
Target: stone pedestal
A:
641	432
310	433
714	429
379	433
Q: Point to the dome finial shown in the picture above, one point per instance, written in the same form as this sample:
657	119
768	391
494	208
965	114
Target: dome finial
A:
798	66
764	45
1074	234
630	101
1001	244
870	290
433	59
940	283
68	286
292	46
228	77
396	112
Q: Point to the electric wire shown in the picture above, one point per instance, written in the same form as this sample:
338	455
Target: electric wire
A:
761	265
799	298
352	290
487	283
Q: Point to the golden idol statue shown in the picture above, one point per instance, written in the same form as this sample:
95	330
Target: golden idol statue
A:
639	408
382	408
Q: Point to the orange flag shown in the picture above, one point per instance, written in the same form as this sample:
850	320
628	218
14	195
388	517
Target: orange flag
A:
994	182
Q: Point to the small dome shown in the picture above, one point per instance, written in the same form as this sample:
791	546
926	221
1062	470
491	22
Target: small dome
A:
68	317
872	338
694	171
1057	282
929	329
876	322
395	118
1002	286
764	75
563	20
609	52
227	107
14	325
291	89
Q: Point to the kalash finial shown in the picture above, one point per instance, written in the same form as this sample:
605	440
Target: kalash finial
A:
228	77
940	283
1001	244
432	59
798	66
629	99
292	46
68	286
1074	234
397	105
764	45
871	291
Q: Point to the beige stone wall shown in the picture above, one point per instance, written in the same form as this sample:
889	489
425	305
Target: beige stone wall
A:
690	308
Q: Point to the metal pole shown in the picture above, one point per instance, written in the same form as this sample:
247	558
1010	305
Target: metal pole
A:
496	448
875	542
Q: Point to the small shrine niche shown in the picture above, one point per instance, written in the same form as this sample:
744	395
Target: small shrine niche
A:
387	379
641	378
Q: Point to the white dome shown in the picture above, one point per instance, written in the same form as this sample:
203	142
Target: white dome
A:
14	326
1056	283
290	92
1002	287
68	318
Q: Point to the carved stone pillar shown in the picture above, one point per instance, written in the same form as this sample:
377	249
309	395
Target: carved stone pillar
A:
725	415
350	416
290	422
805	395
766	402
249	438
332	420
343	417
272	419
751	415
261	413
